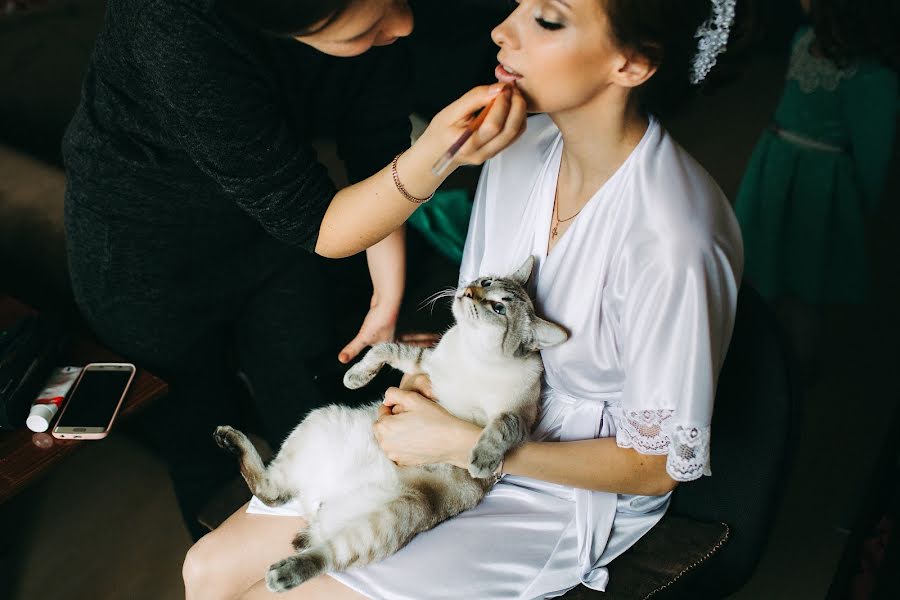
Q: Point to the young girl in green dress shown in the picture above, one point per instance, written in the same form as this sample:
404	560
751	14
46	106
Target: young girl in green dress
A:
819	169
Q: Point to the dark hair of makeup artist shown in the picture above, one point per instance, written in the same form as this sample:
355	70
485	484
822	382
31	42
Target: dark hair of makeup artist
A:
284	17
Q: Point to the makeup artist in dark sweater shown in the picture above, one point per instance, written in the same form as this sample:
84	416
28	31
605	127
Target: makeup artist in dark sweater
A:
195	205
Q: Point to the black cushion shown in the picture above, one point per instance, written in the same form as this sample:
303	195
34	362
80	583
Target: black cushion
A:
661	563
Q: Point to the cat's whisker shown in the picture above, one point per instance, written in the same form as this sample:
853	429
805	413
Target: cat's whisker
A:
446	292
432	299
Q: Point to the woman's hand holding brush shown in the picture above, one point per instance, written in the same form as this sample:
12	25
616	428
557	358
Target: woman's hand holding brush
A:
480	124
491	127
473	129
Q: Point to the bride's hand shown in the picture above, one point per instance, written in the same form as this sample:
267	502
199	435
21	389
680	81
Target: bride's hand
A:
419	431
417	382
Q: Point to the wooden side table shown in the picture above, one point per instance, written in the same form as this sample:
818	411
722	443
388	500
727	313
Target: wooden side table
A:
25	455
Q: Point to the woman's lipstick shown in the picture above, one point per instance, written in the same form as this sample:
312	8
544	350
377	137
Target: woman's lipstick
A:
505	74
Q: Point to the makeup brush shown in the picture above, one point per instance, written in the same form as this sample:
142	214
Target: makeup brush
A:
441	165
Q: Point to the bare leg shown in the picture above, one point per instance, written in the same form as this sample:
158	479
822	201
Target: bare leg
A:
322	587
229	560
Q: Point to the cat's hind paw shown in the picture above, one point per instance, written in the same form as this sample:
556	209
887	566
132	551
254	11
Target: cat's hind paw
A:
290	572
230	439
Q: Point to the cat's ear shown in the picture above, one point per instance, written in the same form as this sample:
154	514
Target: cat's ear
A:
523	273
547	334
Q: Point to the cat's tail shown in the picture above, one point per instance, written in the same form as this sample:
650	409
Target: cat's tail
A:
264	483
373	536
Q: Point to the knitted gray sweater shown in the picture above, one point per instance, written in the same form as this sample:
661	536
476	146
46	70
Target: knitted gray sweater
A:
187	119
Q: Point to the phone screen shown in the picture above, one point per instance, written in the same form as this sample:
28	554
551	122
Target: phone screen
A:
94	399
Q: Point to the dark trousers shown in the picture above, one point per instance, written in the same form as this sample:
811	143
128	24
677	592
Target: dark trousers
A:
262	314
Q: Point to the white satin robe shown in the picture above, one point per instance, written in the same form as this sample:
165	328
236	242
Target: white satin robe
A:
646	280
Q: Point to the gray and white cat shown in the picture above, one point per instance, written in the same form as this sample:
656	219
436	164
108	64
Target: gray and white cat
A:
360	506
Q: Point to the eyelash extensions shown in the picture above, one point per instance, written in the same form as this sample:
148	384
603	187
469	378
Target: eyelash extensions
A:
549	25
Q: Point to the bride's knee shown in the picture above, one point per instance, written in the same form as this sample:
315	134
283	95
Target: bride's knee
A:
200	565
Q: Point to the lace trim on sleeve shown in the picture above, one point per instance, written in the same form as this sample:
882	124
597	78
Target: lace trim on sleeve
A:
689	455
653	432
643	430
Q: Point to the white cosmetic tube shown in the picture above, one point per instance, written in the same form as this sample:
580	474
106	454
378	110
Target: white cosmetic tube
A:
51	398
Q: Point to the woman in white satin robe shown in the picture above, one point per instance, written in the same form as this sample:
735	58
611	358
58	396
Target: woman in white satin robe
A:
638	255
646	281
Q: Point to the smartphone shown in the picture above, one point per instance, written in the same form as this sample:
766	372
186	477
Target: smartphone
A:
94	401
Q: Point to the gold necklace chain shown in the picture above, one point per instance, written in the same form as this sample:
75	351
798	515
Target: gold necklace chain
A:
558	220
554	230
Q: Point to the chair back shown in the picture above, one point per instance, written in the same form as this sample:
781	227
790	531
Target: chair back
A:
753	428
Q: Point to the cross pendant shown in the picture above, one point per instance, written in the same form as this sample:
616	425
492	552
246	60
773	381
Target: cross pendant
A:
553	232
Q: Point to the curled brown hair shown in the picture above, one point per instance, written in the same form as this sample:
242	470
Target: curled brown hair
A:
664	32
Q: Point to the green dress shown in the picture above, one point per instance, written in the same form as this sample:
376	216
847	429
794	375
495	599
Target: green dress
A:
815	176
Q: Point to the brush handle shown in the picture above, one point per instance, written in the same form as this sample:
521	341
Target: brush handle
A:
438	168
444	161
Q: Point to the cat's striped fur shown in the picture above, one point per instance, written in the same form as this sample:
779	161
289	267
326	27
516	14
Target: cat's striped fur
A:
359	505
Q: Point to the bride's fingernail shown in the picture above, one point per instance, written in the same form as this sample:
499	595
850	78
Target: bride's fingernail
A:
496	88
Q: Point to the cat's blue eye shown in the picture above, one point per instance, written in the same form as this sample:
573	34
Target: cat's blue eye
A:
499	308
486	282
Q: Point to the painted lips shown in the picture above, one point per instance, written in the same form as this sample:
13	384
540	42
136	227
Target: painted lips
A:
506	75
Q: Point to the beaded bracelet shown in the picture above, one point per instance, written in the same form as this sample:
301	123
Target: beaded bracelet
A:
402	189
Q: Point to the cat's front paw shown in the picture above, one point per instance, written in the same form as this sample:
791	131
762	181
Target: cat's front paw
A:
290	572
482	464
359	375
230	439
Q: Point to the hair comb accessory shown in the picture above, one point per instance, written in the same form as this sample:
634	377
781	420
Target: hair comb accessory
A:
713	37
